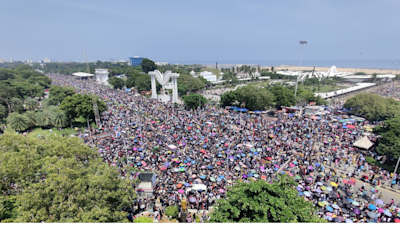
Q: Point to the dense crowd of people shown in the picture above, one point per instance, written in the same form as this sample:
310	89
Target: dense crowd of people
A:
216	147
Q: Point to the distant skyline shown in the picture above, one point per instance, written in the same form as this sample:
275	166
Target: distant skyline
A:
178	31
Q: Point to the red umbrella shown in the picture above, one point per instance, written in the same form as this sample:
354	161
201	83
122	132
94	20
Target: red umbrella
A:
345	181
269	158
351	126
352	183
218	163
263	177
189	128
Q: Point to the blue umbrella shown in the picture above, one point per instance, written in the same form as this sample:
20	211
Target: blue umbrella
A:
344	127
329	208
219	155
243	155
140	149
209	167
222	177
187	184
301	193
255	153
205	146
250	175
295	162
350	200
219	179
185	161
202	177
372	207
138	163
308	136
189	159
193	162
317	164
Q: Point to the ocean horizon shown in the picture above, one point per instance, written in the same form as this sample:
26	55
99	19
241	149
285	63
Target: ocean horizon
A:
372	64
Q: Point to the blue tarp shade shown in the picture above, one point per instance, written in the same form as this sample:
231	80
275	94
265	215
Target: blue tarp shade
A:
234	107
128	90
241	109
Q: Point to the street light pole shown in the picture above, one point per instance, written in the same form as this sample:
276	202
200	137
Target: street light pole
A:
301	56
397	165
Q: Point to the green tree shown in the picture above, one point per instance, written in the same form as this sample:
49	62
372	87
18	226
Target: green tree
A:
59	179
70	106
59	119
44	118
194	100
148	65
17	121
31	117
3	111
261	202
117	83
373	106
58	93
130	82
143	82
17	105
192	84
283	96
389	144
143	220
6	74
31	103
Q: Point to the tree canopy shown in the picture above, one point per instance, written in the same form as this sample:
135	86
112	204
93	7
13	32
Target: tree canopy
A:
59	179
373	106
283	96
254	98
58	93
148	65
194	100
389	144
261	202
117	83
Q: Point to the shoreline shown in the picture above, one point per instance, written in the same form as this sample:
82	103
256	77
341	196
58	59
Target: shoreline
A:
339	69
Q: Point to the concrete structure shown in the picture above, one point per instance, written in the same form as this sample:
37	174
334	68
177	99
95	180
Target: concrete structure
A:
163	79
102	76
332	72
145	188
135	60
312	110
344	91
46	60
208	76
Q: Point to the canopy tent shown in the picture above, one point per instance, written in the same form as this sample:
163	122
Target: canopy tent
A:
363	143
197	187
82	74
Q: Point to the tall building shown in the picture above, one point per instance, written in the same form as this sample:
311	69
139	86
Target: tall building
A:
135	60
46	60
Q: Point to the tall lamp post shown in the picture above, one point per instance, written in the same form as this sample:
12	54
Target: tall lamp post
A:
301	55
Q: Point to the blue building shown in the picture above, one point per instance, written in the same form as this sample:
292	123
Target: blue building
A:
135	60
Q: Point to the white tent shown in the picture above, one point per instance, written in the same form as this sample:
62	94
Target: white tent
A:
363	143
82	74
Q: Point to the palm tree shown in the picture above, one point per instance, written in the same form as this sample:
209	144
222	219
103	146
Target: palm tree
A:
17	121
59	119
31	103
31	117
44	118
17	104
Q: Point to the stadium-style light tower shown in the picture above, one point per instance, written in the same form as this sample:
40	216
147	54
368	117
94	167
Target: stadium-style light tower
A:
301	55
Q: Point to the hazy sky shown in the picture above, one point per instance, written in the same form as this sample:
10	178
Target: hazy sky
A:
185	30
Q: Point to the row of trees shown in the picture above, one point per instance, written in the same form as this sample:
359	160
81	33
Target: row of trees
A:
17	85
51	116
258	98
59	179
373	106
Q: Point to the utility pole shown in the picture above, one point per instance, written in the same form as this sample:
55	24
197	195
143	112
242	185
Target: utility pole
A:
87	64
301	56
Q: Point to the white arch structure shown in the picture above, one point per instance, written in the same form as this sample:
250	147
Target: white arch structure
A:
163	79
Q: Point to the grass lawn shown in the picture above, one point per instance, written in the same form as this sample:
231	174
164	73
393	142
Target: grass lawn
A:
324	89
373	162
79	123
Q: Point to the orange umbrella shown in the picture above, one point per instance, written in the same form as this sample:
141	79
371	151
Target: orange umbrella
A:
179	186
354	180
263	177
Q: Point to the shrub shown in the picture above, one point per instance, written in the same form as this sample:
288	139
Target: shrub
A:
172	211
143	220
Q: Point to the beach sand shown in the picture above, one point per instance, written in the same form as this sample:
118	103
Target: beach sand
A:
325	69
